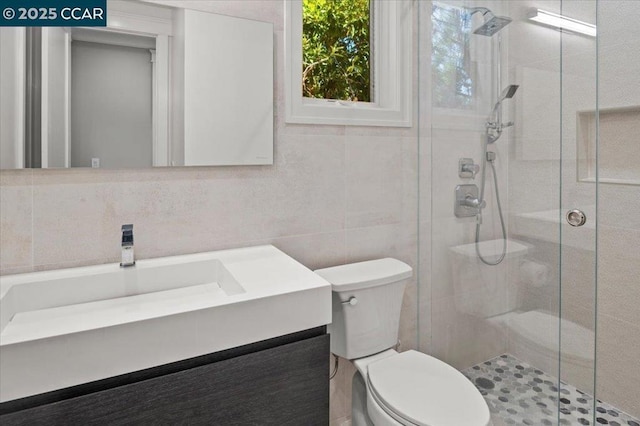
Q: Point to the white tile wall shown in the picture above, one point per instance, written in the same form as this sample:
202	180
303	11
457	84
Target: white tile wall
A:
334	195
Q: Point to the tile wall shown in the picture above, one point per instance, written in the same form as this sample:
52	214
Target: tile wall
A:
335	194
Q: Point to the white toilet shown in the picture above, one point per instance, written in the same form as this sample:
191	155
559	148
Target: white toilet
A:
391	388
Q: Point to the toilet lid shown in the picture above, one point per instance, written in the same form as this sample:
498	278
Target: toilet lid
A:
426	391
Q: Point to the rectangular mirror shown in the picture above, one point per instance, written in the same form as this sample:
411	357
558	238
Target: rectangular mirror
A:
159	86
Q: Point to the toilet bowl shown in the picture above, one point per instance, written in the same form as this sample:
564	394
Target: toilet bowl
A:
391	388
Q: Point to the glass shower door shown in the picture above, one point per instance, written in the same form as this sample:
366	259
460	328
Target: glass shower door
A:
545	321
616	169
577	215
516	313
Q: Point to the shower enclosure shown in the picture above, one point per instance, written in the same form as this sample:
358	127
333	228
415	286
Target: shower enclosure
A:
529	231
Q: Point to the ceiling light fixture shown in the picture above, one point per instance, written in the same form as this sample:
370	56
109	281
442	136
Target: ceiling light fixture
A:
562	22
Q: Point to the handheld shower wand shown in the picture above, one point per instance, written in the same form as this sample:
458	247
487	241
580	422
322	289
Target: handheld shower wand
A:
494	128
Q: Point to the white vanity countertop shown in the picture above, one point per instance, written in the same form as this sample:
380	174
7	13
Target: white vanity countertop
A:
66	327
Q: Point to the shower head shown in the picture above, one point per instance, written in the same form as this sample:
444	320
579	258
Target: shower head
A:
508	92
492	26
492	23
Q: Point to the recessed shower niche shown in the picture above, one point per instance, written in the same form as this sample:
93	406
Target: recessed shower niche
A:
619	145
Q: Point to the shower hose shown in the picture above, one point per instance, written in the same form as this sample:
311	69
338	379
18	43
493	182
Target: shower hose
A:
479	217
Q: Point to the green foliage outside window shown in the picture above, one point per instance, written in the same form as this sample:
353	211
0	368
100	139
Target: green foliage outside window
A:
336	49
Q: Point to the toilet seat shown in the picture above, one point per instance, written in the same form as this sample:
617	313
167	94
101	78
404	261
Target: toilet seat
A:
417	389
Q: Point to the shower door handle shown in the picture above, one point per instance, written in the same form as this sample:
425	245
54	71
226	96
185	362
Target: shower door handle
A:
576	217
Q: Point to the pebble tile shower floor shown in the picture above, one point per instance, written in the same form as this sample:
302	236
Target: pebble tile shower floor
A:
520	394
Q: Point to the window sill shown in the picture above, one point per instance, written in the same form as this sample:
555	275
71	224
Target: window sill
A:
331	112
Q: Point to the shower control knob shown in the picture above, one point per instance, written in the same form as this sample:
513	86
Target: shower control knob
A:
576	217
352	301
467	168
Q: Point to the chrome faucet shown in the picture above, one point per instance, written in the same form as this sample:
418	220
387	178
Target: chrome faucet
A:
127	246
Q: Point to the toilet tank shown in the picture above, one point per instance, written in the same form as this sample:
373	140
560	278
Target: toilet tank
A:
366	300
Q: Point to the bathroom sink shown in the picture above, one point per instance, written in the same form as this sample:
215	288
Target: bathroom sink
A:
62	302
67	327
84	298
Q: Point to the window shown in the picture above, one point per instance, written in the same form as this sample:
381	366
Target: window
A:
336	50
451	58
349	62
